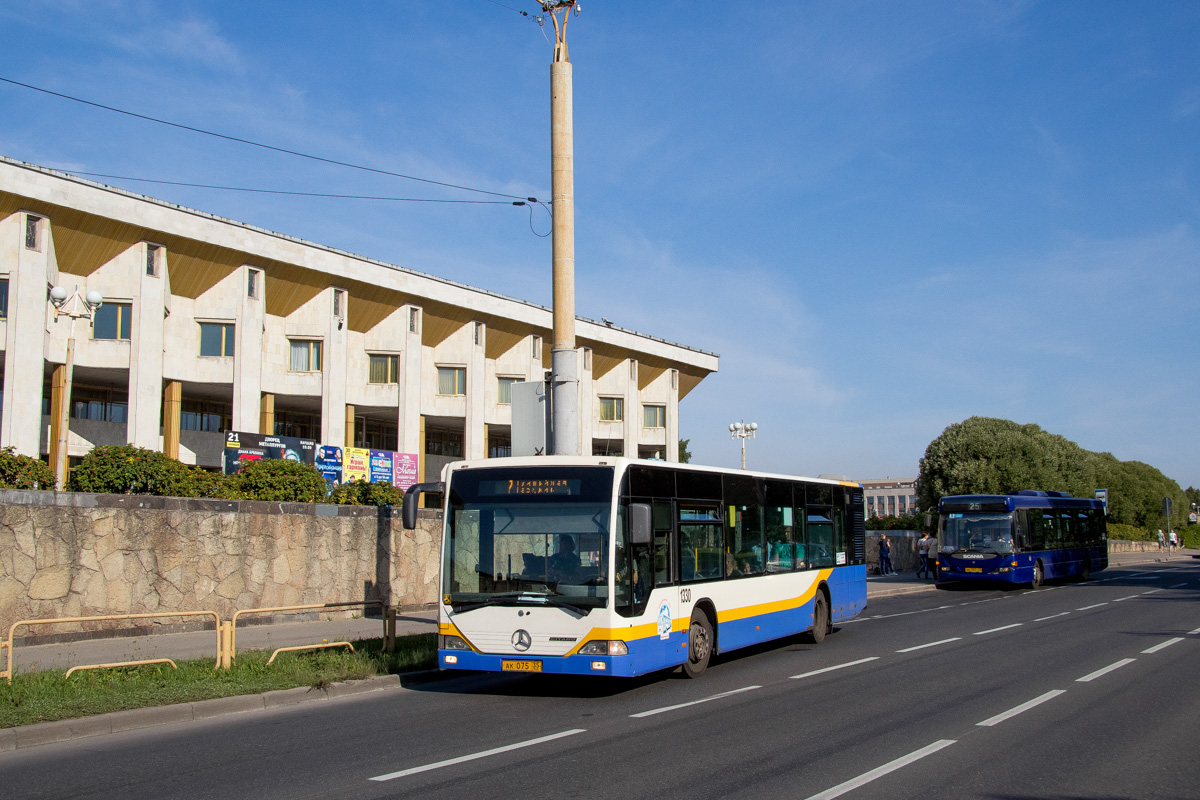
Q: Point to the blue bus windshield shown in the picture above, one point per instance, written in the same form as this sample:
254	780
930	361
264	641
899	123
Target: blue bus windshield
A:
981	532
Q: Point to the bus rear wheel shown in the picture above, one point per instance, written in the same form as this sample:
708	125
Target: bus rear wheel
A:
1038	576
700	644
820	619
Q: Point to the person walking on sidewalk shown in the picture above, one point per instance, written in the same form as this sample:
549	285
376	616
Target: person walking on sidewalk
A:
923	555
1161	540
931	558
885	555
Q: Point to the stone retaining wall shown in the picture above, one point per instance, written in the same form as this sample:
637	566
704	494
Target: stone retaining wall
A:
72	554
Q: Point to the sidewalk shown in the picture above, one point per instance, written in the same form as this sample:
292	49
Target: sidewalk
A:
203	644
908	582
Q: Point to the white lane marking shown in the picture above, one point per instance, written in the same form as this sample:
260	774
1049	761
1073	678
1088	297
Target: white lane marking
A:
931	644
494	751
1165	644
839	666
1177	586
1145	578
1001	628
1193	633
1091	676
879	772
1135	574
1012	712
665	709
1052	616
1130	597
1152	591
1097	605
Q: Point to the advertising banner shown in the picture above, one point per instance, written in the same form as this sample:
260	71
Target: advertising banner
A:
356	464
381	466
404	470
329	461
241	447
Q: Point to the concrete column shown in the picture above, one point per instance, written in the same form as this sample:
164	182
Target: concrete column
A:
172	410
671	451
564	359
410	436
58	383
333	369
144	428
587	402
421	476
266	415
474	435
248	353
349	441
29	312
633	410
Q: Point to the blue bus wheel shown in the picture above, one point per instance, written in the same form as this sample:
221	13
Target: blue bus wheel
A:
700	644
820	619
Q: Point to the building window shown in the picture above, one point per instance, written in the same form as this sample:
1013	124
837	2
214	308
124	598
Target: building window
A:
152	251
504	390
440	442
612	409
674	379
654	416
198	415
300	425
339	303
499	445
112	321
375	434
4	298
384	369
587	358
100	405
452	381
414	320
478	334
31	231
216	339
537	347
306	356
252	282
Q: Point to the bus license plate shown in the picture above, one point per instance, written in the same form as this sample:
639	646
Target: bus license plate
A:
520	666
974	569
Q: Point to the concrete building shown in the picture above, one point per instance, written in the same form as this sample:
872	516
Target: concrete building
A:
890	497
209	325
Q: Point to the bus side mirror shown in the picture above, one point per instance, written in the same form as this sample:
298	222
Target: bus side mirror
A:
412	495
640	528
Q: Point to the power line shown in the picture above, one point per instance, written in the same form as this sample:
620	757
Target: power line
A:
258	144
301	194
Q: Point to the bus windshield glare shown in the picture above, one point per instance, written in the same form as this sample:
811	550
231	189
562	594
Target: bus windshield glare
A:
980	532
529	536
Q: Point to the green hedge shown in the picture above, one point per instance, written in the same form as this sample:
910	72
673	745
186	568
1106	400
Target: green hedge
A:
23	472
362	493
277	480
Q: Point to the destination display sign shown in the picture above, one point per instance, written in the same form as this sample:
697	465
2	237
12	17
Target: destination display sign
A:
529	486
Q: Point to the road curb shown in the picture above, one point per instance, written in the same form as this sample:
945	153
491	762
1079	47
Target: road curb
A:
83	727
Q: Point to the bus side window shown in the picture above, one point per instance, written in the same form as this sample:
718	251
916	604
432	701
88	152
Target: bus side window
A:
780	546
800	534
663	561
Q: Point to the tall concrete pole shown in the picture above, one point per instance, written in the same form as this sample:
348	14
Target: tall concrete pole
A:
564	358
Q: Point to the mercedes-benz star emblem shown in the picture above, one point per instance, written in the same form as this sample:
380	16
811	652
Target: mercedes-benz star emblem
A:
521	640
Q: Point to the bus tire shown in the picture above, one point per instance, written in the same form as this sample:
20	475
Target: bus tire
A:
821	621
1038	576
700	644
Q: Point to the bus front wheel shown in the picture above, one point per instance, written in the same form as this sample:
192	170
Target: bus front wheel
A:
1037	576
700	644
820	619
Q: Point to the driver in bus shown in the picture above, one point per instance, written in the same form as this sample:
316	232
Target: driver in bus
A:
564	564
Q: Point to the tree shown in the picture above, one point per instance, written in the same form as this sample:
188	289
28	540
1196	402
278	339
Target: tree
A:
685	455
982	455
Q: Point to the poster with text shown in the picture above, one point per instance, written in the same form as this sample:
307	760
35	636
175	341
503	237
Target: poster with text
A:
381	466
241	446
356	464
329	462
404	470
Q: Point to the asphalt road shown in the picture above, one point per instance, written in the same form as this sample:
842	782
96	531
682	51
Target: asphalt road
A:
1073	691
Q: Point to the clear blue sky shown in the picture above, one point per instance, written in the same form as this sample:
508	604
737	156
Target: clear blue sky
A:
885	217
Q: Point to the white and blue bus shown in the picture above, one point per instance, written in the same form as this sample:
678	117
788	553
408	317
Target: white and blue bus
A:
1026	538
614	566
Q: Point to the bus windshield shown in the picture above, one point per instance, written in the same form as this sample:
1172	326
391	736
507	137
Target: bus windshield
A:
985	533
528	536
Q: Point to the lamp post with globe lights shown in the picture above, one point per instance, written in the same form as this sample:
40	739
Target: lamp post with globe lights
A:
73	306
743	431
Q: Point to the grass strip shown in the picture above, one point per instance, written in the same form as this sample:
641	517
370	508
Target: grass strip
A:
47	696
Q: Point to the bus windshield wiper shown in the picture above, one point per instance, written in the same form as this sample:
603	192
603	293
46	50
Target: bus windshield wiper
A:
522	598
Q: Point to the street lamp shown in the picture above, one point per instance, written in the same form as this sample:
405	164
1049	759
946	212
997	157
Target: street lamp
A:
743	431
70	305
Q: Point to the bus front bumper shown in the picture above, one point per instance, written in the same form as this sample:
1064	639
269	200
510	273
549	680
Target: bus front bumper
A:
621	666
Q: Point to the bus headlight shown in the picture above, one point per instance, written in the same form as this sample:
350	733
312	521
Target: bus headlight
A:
452	643
604	648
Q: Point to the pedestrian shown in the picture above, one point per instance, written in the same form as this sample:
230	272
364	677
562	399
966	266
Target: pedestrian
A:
1174	541
1161	540
885	555
932	558
923	555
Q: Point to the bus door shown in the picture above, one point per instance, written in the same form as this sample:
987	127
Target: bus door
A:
666	648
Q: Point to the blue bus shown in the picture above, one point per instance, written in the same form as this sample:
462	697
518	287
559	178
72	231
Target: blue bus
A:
614	566
1022	538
